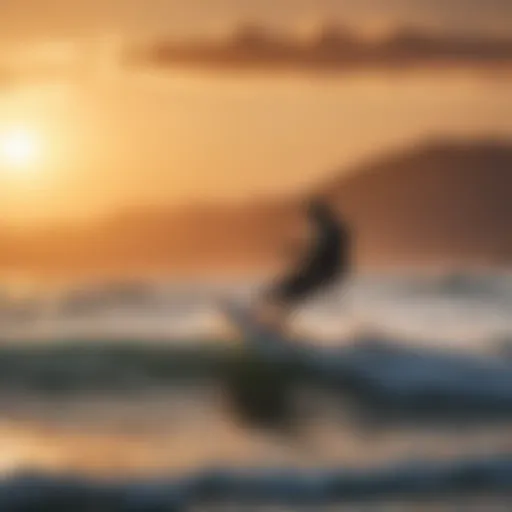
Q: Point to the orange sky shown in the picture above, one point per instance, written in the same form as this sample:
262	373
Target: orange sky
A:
112	139
135	139
56	18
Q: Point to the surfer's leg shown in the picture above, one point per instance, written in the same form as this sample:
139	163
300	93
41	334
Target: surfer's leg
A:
266	307
273	314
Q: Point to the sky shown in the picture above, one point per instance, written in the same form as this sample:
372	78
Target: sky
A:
29	19
109	139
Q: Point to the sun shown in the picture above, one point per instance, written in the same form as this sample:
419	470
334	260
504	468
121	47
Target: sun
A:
20	148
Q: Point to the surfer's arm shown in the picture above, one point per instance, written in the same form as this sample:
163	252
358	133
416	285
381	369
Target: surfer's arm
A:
297	250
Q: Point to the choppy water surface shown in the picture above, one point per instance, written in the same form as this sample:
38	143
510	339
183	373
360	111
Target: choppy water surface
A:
80	400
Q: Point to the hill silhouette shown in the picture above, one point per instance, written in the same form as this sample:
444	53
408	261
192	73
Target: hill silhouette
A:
441	202
176	240
447	202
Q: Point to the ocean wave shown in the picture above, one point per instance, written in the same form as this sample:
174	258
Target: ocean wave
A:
92	365
377	372
457	307
416	479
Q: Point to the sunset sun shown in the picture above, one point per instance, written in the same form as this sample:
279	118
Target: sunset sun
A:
20	149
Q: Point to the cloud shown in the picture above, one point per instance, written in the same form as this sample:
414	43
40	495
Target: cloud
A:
57	18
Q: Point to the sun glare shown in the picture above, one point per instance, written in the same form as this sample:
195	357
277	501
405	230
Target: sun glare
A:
19	149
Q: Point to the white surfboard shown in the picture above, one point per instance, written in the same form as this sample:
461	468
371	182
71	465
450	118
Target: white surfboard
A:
254	333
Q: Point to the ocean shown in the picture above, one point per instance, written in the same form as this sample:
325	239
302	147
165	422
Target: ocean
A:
123	381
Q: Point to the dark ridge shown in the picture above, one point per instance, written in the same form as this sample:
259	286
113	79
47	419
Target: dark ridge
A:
447	202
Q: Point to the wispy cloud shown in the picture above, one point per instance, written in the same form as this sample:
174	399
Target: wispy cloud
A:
49	18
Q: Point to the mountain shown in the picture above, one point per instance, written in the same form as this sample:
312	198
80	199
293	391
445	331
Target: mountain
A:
176	240
441	202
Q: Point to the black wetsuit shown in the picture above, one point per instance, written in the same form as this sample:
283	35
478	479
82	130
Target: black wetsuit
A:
259	391
327	259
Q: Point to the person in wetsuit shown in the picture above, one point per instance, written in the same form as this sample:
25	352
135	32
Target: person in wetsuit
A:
258	390
325	260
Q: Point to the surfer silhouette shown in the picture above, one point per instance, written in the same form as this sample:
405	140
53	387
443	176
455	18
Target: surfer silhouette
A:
325	259
259	390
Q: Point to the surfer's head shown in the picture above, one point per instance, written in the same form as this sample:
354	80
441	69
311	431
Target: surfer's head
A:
319	209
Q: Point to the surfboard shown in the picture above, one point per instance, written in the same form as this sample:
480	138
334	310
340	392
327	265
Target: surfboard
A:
255	334
245	320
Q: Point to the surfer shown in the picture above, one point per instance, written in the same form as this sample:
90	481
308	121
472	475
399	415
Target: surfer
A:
325	259
259	390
